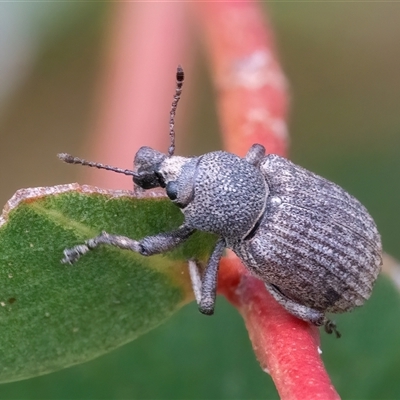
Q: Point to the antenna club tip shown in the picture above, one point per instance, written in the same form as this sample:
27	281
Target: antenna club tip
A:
179	73
66	158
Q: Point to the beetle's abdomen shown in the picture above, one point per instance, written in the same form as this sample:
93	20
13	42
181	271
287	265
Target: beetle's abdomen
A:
316	242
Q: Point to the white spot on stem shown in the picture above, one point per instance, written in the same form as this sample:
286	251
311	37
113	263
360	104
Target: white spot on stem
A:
257	70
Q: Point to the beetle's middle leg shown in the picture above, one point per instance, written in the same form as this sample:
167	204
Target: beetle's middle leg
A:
305	313
255	154
147	246
205	287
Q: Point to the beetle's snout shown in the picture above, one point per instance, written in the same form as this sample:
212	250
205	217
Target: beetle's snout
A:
146	159
146	164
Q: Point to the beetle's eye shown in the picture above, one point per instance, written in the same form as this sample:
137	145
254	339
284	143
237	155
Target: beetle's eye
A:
172	190
160	179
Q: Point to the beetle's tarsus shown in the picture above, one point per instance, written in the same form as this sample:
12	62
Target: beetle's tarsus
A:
73	254
208	308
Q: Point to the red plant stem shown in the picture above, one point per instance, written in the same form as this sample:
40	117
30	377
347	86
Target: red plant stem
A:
252	102
286	347
252	96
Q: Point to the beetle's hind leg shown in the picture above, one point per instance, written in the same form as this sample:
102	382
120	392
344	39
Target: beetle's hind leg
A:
305	313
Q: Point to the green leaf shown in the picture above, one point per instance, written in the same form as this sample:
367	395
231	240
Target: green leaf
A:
52	315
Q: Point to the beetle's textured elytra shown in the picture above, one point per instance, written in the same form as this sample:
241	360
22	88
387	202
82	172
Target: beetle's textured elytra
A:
314	246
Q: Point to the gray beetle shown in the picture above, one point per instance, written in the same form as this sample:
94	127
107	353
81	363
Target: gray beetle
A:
314	246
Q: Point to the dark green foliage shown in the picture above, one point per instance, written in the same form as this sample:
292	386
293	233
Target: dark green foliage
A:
53	315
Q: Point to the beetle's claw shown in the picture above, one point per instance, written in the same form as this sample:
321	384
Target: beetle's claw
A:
330	327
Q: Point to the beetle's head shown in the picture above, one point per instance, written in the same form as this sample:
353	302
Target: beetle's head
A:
154	169
147	164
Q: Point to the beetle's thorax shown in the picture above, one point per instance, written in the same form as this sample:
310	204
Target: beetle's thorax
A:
218	192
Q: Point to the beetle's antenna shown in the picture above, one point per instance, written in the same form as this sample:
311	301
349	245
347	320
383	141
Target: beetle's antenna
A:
75	160
179	83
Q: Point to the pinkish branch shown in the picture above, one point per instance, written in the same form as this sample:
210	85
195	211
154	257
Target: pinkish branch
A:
252	104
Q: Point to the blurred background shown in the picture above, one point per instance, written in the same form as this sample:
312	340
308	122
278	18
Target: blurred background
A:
342	61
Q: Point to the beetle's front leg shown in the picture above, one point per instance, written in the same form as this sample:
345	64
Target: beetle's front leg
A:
147	246
205	287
